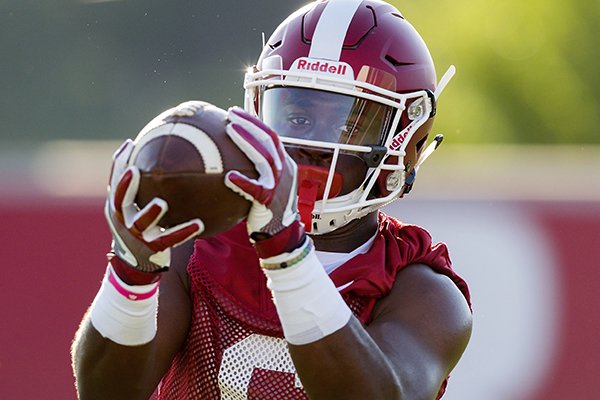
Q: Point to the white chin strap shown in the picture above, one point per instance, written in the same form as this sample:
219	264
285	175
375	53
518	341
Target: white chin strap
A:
444	81
438	139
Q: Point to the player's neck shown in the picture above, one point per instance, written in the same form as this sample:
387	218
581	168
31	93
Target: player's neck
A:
348	237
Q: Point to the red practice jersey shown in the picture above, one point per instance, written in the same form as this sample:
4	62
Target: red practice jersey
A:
235	348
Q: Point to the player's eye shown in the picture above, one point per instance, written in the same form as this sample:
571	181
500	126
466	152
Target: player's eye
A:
299	121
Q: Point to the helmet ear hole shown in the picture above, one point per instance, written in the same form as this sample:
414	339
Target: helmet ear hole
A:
417	143
420	144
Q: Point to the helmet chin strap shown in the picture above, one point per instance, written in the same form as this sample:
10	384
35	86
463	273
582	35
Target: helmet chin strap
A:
444	81
312	181
436	141
428	151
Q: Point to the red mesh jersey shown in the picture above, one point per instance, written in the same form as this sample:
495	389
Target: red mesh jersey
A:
235	348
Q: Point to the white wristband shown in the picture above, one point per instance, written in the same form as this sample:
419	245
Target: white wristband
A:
308	303
123	313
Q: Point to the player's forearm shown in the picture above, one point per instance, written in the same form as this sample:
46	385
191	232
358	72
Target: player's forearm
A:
116	343
347	364
106	370
333	354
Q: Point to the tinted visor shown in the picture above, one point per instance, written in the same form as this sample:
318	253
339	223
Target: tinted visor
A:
325	116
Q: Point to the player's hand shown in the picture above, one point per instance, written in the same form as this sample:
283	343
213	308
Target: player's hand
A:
274	211
137	238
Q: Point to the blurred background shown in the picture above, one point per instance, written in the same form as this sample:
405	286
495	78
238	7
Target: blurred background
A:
514	190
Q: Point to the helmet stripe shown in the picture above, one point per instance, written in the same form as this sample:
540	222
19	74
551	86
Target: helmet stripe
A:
331	29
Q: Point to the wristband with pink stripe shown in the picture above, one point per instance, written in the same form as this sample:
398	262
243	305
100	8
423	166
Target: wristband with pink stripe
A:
125	314
122	288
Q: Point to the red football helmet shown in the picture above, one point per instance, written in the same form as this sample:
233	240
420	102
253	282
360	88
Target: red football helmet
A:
350	87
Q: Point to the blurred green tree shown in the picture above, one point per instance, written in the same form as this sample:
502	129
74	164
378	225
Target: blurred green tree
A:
527	71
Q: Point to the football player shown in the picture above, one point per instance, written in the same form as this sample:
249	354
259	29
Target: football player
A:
317	294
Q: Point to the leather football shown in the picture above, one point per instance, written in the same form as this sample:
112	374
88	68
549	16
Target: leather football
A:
183	156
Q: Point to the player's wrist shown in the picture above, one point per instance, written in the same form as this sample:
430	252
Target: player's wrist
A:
131	275
288	259
125	314
285	241
308	303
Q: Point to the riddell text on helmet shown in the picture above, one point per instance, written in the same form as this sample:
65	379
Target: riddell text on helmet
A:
328	67
401	137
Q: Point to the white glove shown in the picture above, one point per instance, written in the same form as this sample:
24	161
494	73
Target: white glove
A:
137	238
274	194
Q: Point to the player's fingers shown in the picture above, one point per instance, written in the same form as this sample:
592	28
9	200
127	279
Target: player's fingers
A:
121	156
235	181
250	189
236	114
260	130
120	159
132	188
149	216
178	234
119	191
263	159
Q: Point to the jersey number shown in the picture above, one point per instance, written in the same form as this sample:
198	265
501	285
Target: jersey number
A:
243	358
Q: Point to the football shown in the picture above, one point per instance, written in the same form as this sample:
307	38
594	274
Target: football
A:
183	156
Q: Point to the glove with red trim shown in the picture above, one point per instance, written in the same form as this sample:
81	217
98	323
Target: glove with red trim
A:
273	222
140	248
